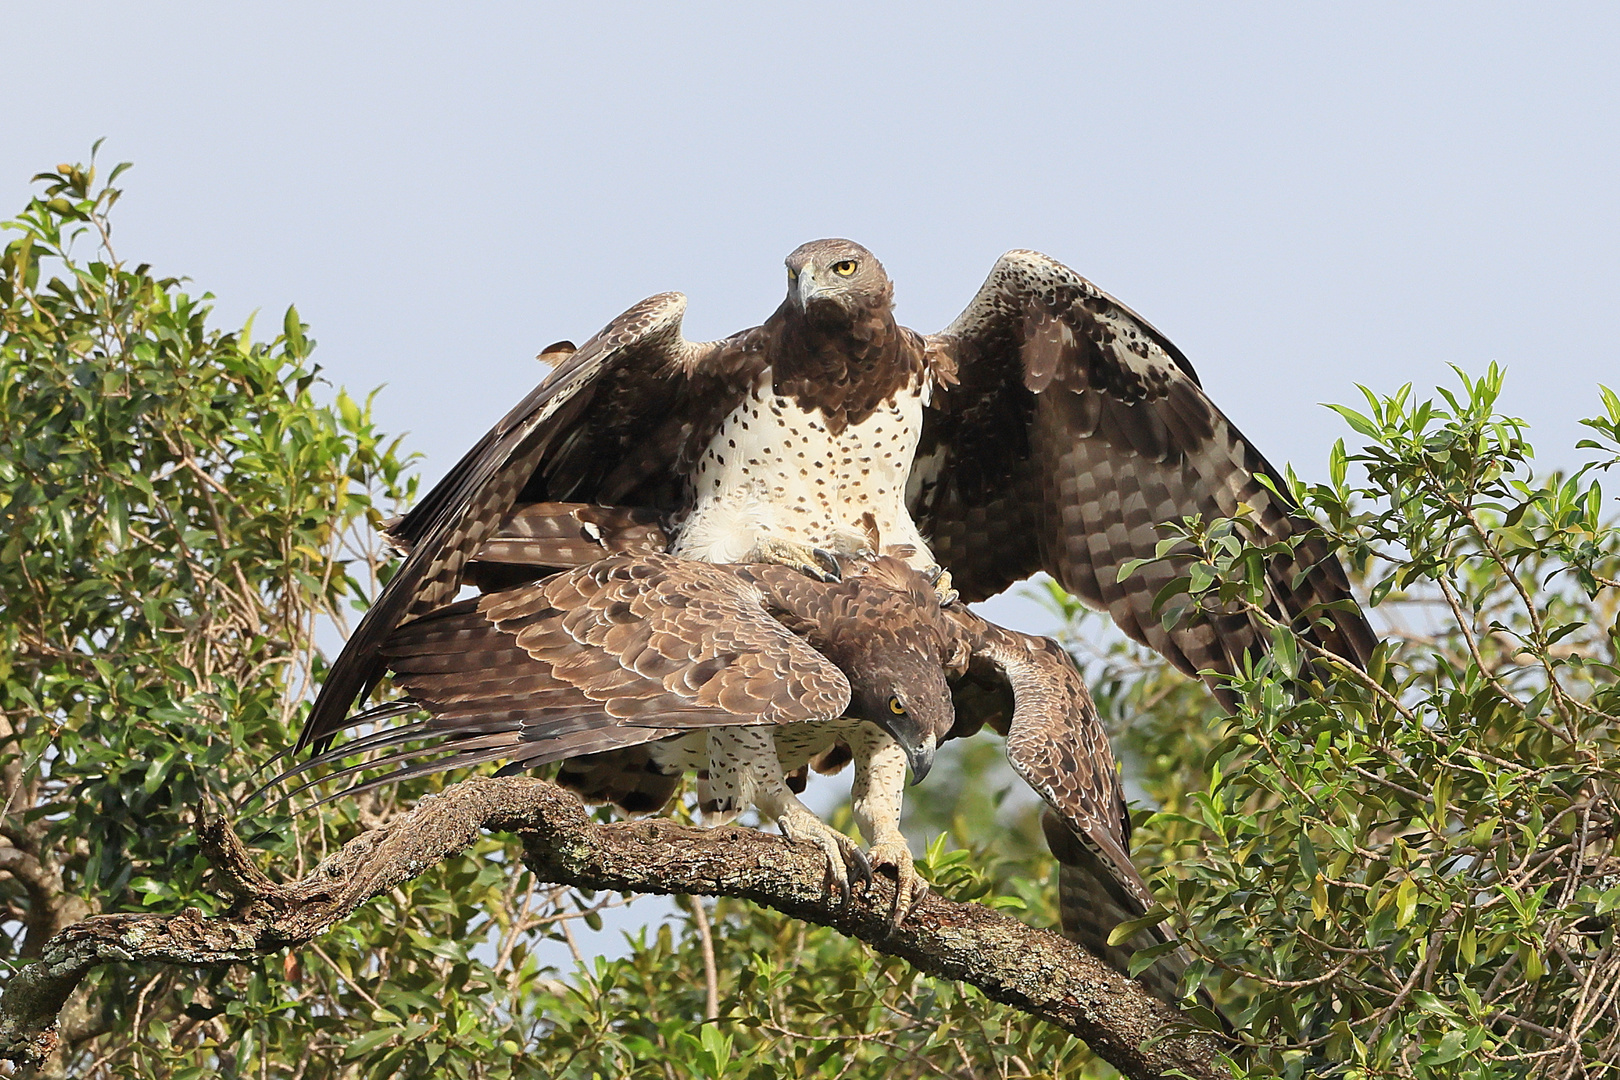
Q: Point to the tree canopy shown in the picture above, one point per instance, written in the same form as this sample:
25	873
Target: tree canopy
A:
1408	872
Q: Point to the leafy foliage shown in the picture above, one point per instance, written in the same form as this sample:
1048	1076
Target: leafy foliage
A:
1412	872
181	512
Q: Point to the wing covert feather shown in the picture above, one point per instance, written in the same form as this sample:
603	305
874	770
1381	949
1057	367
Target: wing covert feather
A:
628	649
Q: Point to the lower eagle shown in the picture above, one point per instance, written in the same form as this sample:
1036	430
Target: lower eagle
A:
625	667
740	673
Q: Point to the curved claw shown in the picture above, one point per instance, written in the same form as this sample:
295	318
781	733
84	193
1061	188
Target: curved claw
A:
909	887
860	868
942	587
816	562
919	890
844	873
844	858
830	561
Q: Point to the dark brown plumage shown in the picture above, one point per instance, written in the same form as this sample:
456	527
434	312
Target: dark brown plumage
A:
841	353
1073	431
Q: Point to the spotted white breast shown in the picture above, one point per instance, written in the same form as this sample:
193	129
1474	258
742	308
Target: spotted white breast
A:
774	471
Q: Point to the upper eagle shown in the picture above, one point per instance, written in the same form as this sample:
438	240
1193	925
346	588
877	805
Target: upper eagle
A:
1049	427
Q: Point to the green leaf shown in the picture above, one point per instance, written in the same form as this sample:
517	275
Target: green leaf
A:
1131	927
1406	898
1362	425
364	1044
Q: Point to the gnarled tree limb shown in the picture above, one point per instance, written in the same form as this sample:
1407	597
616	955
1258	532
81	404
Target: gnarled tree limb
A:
1032	970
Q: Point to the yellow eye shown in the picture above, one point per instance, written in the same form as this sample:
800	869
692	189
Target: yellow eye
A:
844	268
896	707
793	275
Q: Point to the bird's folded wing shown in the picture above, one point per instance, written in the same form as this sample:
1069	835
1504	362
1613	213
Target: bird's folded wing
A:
628	649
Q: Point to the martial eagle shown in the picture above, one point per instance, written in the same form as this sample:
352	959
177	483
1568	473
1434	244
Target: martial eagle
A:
740	673
1049	427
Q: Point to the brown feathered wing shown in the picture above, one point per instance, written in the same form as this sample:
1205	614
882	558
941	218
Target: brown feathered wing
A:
1072	431
1028	689
626	650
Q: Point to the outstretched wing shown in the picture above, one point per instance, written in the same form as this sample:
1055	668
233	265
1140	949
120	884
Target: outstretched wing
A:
624	651
1056	742
613	423
1073	430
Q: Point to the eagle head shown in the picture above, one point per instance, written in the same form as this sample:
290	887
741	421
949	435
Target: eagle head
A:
836	281
906	695
894	649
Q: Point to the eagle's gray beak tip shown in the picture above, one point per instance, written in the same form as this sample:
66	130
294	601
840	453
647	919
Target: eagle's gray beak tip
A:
806	289
921	759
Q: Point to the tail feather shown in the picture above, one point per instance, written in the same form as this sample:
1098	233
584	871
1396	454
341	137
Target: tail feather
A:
1092	902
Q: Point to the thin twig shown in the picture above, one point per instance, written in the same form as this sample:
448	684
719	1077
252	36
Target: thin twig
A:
711	978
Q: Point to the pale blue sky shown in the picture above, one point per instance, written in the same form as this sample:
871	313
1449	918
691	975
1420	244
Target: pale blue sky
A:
1302	197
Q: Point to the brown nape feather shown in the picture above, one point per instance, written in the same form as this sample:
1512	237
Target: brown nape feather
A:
846	356
981	698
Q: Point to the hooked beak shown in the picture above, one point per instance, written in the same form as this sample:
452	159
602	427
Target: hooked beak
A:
806	288
921	758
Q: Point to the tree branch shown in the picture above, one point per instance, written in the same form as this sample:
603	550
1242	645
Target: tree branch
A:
1031	970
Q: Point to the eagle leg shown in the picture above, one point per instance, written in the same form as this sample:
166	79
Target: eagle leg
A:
744	760
875	797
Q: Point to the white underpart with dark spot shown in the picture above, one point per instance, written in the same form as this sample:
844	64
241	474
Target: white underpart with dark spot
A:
774	472
726	786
